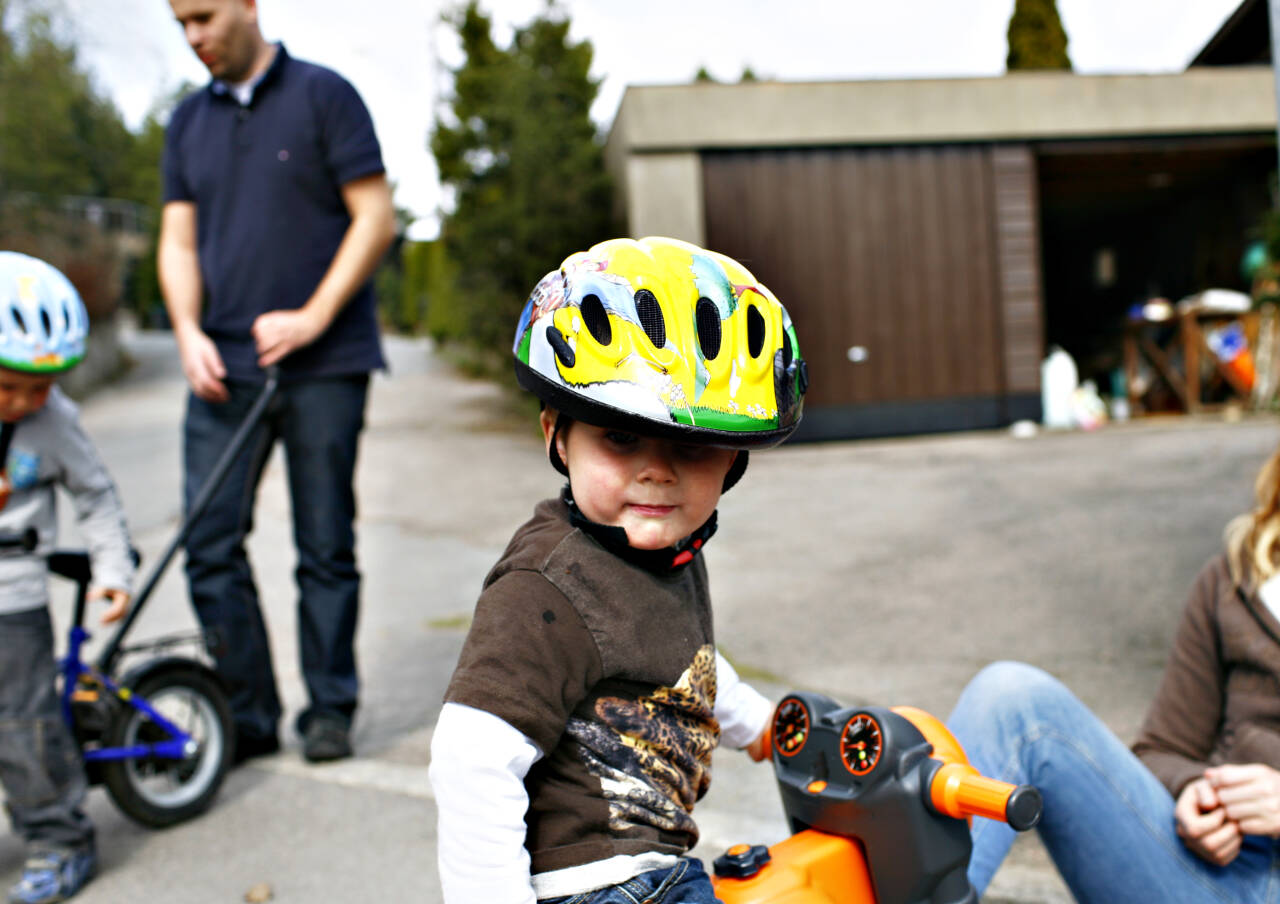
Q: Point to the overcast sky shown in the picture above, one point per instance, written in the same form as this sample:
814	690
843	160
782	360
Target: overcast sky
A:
397	53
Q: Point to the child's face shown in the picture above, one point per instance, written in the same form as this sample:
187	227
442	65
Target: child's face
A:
22	394
657	490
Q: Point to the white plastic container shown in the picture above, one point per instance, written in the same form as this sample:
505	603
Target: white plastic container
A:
1058	381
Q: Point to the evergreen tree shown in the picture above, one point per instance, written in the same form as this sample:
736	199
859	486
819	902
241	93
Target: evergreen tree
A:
1037	39
60	137
526	167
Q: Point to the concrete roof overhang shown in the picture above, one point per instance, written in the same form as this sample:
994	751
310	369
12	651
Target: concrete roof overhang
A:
1023	106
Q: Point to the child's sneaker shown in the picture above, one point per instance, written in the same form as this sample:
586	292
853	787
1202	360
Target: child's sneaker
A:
54	876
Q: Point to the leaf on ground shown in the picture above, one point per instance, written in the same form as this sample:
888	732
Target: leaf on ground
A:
259	893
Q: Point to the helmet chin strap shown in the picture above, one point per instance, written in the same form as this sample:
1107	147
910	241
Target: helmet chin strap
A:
553	452
736	470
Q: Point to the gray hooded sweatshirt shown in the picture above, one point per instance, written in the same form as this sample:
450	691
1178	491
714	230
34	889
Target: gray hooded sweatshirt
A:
50	448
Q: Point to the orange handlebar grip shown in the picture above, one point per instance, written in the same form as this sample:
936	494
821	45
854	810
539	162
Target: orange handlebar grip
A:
958	790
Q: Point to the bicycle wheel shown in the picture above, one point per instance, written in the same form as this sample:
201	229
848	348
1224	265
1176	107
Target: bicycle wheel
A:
159	792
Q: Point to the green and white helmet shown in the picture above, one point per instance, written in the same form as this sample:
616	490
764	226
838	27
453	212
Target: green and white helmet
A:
44	327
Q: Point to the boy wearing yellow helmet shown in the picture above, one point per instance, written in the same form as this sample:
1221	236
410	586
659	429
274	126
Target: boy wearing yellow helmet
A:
578	727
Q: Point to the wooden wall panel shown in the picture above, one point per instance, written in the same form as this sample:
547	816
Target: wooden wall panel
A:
889	249
1017	228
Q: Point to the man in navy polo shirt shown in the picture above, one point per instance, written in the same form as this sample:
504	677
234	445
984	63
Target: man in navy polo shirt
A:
276	214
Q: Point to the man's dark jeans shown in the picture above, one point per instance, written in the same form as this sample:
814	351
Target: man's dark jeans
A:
40	766
319	423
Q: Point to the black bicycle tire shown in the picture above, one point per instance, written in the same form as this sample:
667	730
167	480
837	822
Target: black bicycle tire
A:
117	775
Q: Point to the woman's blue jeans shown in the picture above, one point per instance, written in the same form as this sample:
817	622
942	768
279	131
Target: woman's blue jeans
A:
1108	823
685	883
319	422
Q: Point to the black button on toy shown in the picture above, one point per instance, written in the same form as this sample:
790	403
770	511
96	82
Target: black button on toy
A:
742	861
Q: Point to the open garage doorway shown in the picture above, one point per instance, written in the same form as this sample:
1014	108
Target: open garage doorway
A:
1125	221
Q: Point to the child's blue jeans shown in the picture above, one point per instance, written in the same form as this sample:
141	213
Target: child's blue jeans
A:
685	883
39	763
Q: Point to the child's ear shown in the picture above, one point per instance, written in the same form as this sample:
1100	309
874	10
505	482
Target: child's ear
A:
555	429
547	420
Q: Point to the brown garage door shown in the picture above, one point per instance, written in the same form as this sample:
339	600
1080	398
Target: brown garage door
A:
887	258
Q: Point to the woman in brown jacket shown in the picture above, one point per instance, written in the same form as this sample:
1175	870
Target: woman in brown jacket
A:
1192	812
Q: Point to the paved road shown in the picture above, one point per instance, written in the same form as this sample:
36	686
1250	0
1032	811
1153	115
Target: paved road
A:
885	571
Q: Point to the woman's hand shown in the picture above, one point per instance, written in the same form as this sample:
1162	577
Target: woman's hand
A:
1250	794
1203	825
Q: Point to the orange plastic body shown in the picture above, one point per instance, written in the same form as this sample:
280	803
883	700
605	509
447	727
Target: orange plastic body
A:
813	867
944	743
808	868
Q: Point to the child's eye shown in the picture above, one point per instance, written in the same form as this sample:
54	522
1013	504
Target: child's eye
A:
691	452
618	438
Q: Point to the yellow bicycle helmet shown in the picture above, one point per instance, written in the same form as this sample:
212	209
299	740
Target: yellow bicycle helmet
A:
661	337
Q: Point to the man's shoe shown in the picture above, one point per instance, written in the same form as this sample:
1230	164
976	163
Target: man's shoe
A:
54	876
326	738
251	746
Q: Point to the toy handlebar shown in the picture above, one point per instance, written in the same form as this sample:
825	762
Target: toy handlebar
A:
959	791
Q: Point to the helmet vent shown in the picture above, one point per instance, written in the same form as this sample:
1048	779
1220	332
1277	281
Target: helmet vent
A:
755	331
45	321
651	318
597	319
787	353
17	315
707	316
561	346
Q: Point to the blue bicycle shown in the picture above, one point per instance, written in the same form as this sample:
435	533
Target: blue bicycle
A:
160	738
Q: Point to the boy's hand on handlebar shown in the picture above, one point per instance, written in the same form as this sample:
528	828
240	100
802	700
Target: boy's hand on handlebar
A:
277	334
1250	794
202	364
759	748
1203	825
117	600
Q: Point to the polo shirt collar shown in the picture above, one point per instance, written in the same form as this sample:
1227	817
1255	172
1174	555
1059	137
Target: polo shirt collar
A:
221	89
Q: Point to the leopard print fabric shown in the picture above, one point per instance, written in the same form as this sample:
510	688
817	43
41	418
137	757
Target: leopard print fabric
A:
652	755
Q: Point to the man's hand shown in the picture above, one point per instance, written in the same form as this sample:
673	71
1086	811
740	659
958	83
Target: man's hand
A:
1250	794
1203	825
202	364
118	602
279	333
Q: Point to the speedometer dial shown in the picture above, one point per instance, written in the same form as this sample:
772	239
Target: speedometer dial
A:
790	726
861	743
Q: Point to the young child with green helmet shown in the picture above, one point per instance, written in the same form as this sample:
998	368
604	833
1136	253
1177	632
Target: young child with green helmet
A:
43	333
577	729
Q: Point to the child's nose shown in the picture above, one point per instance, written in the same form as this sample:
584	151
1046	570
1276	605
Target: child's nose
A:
658	467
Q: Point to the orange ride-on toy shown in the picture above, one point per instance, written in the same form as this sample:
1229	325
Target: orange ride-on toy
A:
878	800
